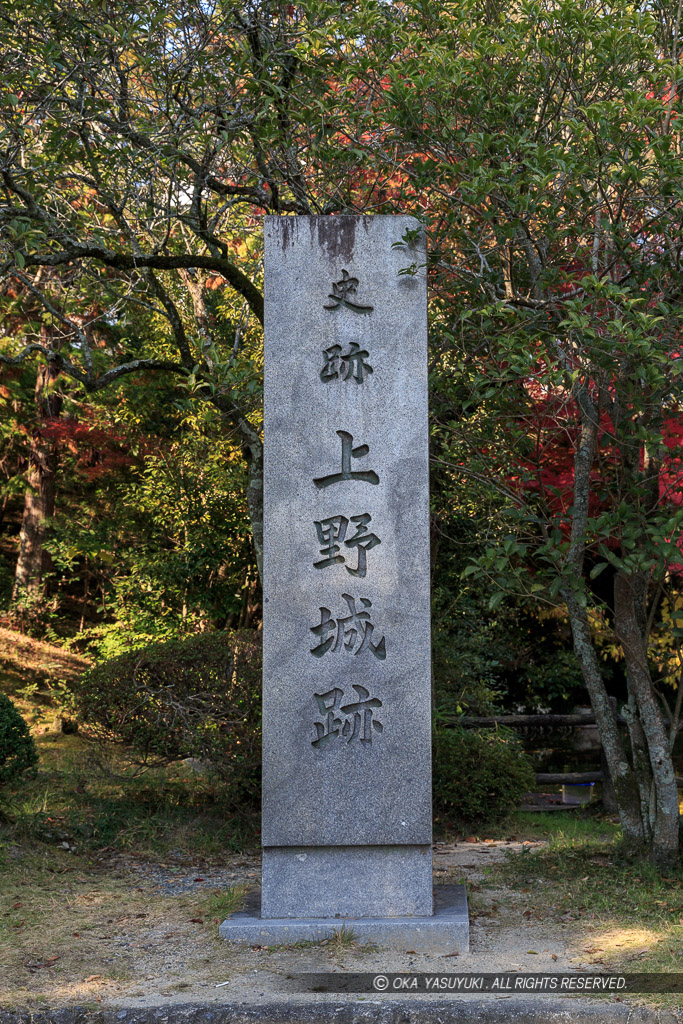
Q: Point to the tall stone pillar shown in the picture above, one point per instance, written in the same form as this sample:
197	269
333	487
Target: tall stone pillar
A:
346	602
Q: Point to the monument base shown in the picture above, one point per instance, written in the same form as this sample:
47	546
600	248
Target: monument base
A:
446	930
357	881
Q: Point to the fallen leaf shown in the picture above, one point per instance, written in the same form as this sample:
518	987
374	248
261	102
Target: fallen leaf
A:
457	953
92	977
470	839
15	906
410	951
532	951
77	935
199	879
196	920
46	963
554	955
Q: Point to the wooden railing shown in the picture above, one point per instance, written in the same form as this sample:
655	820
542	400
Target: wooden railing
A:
548	778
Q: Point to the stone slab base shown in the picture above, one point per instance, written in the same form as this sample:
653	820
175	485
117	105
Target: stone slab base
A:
358	881
446	930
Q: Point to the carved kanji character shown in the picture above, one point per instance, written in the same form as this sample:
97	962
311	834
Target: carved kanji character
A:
342	292
351	365
348	453
352	632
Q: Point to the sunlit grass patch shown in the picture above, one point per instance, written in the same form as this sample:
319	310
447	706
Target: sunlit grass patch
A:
220	905
70	932
583	873
92	805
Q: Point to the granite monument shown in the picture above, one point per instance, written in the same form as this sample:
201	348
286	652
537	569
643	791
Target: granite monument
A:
346	616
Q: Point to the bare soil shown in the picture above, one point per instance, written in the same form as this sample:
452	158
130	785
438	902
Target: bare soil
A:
133	934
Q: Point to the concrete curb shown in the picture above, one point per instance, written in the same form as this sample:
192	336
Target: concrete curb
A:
540	1010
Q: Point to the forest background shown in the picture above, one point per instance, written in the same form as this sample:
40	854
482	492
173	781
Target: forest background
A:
539	142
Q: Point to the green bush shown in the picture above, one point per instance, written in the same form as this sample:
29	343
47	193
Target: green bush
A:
196	697
17	750
479	774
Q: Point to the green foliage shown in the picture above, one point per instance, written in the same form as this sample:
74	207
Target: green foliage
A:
479	775
173	544
197	697
18	752
511	657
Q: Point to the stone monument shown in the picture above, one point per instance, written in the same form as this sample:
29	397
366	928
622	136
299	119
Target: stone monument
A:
346	609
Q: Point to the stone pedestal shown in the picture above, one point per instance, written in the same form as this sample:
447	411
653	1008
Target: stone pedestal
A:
444	930
346	612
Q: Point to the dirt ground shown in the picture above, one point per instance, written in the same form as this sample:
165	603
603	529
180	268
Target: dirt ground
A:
133	934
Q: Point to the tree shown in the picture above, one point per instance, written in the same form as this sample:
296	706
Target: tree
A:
139	148
540	141
543	144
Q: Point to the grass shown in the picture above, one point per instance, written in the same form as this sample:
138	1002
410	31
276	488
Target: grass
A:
97	807
635	914
229	901
74	932
61	895
90	797
342	939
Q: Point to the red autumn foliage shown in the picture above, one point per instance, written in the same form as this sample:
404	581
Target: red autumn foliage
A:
99	450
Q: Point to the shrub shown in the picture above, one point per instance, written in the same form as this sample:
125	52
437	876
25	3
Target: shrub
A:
18	752
479	774
196	697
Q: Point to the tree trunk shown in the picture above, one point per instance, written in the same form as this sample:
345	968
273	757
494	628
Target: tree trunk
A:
573	592
252	446
39	504
255	497
661	814
607	795
621	773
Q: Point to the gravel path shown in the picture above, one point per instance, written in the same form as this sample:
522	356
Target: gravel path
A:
133	934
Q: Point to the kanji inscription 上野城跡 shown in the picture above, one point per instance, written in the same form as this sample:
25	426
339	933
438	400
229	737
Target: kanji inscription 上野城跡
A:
352	632
346	661
332	534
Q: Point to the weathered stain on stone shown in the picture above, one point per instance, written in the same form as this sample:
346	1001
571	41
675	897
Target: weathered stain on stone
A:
337	235
288	227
